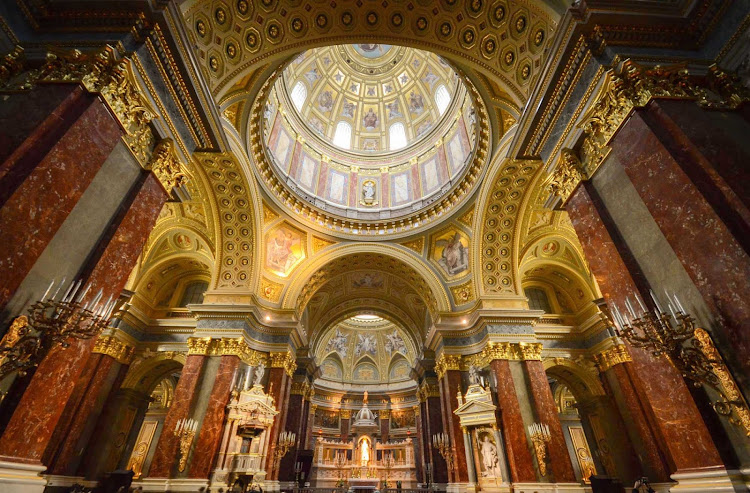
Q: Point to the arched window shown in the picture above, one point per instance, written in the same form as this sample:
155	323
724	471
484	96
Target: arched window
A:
299	95
538	299
396	136
442	98
343	136
193	293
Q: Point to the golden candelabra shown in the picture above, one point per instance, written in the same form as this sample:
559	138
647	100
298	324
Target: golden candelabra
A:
441	441
52	321
340	462
539	434
687	347
185	430
286	441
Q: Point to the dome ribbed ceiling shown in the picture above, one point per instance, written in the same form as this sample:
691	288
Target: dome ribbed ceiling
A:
370	87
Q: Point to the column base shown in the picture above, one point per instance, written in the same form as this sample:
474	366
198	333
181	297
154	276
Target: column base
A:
461	488
21	478
550	488
173	484
67	482
271	485
709	480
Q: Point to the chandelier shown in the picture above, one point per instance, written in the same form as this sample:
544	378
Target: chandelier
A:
52	321
540	436
690	349
441	441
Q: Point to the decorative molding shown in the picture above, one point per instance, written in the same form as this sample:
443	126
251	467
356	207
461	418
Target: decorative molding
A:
510	351
207	346
463	293
566	176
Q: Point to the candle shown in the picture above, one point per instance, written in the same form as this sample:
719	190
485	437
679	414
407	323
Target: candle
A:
48	290
679	305
54	296
65	297
640	303
247	378
83	293
656	302
630	307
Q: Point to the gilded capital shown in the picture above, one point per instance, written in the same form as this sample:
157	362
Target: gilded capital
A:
166	166
111	346
566	176
199	345
530	351
283	360
345	414
384	413
447	362
300	388
611	357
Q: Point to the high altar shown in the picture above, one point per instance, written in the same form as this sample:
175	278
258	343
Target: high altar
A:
364	462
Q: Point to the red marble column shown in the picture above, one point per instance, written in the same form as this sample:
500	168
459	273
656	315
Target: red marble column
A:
419	445
293	424
40	409
546	412
345	422
675	424
94	385
520	462
700	214
209	437
434	424
38	190
165	455
450	386
385	425
279	385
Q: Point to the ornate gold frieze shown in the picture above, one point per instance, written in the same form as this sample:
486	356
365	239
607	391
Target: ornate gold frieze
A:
611	357
283	360
112	346
447	362
566	176
165	164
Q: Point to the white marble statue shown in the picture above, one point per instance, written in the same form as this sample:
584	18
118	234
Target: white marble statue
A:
473	375
258	373
490	460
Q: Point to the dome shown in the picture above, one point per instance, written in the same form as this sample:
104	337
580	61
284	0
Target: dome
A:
370	133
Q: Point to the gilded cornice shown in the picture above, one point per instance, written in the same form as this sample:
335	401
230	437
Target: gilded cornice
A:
612	356
121	351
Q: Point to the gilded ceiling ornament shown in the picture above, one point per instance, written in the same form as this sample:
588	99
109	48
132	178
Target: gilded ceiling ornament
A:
417	245
566	176
463	293
271	290
319	244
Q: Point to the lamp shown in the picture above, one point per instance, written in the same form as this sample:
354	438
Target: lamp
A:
687	347
540	435
53	321
185	430
441	441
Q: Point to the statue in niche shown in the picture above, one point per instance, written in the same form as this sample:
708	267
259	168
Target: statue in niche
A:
258	374
368	193
364	454
490	460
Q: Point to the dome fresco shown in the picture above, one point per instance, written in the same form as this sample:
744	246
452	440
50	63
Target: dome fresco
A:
369	131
